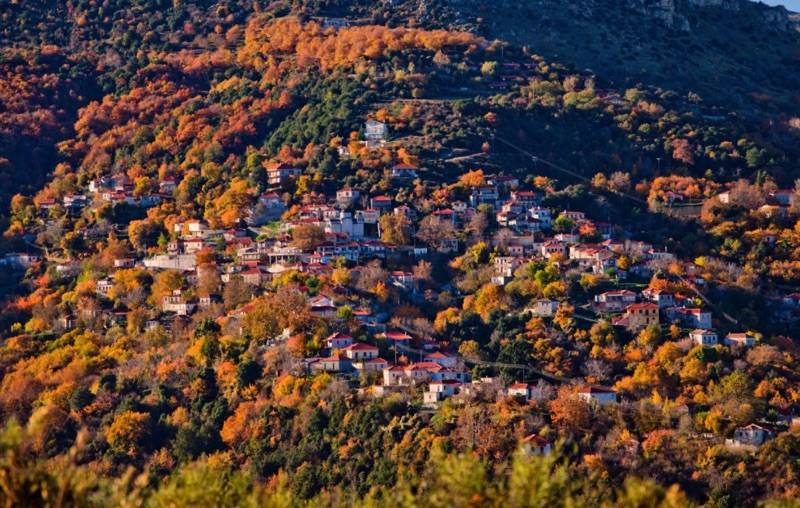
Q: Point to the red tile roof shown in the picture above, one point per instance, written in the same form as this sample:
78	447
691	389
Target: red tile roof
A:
642	306
397	336
360	346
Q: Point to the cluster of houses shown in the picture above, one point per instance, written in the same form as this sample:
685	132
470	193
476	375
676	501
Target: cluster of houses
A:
351	222
636	311
120	189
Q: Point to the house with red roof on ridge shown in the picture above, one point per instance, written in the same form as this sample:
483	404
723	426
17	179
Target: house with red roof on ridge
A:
398	337
381	203
659	296
690	316
167	184
525	391
742	339
416	373
751	436
445	215
702	337
333	363
638	316
253	276
346	196
442	359
440	390
338	340
372	365
614	301
322	306
358	351
401	278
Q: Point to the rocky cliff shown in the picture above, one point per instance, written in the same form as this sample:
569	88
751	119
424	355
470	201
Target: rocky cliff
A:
676	14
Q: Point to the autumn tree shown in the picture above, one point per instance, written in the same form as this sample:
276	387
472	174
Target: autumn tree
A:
144	234
307	236
682	151
164	284
477	224
570	411
129	286
230	207
564	317
423	270
602	333
619	181
394	229
477	430
370	275
488	299
445	317
472	178
274	312
236	292
435	231
649	336
128	433
341	276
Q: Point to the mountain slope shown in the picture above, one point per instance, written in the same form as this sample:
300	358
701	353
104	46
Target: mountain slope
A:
740	54
729	55
263	236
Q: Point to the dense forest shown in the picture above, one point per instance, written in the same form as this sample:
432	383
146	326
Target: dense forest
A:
443	253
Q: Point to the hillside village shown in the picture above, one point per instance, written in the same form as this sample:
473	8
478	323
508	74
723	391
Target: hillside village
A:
356	265
313	254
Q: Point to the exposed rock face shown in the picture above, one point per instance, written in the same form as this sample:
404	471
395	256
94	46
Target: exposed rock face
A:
734	5
664	10
673	13
779	18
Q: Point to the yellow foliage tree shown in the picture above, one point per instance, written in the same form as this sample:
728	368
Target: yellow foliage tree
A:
128	432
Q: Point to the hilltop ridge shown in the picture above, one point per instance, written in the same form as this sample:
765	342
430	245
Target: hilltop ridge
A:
736	53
